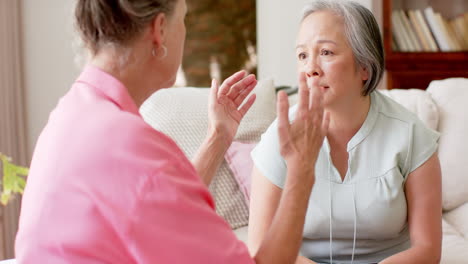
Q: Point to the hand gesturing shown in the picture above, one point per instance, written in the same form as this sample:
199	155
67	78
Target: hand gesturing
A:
224	108
300	141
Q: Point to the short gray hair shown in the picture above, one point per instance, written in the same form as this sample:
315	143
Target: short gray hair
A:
363	34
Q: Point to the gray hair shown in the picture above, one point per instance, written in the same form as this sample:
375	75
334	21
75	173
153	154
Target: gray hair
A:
363	34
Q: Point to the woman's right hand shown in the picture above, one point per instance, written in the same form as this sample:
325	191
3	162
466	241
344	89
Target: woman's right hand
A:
300	142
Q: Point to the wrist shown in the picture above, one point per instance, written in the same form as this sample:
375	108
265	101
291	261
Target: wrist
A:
300	176
217	139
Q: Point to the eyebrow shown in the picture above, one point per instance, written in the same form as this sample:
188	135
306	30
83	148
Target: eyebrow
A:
319	42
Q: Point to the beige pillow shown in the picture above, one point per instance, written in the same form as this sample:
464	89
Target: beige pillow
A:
182	114
451	98
417	101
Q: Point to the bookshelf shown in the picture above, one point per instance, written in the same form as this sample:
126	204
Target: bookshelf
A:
416	69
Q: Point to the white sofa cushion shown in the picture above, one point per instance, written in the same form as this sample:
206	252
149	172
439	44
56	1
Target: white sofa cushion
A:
418	102
458	218
182	114
242	233
451	98
453	246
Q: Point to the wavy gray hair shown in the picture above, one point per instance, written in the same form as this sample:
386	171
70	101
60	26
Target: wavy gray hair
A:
363	34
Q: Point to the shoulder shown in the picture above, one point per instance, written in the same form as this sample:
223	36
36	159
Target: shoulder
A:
402	127
390	109
105	134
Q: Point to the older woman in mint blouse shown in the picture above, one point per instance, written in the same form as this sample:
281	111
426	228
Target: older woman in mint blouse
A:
377	193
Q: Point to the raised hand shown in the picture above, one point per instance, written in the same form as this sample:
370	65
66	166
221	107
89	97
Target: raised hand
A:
300	141
224	108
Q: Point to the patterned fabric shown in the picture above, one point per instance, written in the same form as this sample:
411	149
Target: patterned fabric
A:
182	114
241	165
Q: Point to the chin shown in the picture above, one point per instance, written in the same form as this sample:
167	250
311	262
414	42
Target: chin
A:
170	83
327	100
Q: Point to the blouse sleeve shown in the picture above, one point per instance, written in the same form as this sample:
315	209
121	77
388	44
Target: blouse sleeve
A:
424	143
267	157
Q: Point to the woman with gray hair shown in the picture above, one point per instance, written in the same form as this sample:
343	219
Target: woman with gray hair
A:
104	187
377	191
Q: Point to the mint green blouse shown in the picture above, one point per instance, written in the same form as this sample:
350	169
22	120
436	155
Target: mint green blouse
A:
364	216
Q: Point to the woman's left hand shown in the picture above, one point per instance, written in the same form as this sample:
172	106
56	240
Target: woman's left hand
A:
224	107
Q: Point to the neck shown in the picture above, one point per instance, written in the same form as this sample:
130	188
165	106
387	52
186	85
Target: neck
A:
136	75
347	119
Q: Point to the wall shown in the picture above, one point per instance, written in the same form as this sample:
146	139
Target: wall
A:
48	58
277	26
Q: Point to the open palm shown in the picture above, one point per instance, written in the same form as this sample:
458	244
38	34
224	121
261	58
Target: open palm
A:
226	108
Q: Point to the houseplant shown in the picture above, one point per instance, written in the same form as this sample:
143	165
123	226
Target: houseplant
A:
12	180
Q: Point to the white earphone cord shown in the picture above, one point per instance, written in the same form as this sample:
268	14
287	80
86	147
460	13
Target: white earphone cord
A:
330	217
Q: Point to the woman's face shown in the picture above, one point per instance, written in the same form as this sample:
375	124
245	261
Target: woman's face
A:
175	40
324	55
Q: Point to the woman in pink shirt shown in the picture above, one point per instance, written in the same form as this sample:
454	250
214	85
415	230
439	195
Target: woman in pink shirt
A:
104	187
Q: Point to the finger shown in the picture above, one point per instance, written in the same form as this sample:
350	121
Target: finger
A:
214	91
316	105
230	81
240	86
245	108
304	92
282	107
244	93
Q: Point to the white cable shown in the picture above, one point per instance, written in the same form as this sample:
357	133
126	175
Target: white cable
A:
330	199
354	239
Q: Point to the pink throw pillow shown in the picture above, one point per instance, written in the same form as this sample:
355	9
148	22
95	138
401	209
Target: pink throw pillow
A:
241	164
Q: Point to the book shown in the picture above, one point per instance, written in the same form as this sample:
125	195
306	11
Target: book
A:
416	46
394	44
452	43
418	30
436	29
461	30
398	32
455	38
426	30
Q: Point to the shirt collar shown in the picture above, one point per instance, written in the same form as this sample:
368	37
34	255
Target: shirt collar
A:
109	86
366	127
368	124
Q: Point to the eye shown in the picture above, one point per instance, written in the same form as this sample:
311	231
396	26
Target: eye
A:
302	56
325	52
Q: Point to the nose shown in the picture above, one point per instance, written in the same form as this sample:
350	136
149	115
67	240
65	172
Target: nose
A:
312	68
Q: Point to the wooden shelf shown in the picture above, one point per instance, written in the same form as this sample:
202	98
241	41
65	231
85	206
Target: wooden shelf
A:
417	69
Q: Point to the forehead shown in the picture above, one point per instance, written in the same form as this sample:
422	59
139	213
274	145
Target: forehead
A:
321	24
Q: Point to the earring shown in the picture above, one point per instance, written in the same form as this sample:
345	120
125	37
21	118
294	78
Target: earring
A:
164	53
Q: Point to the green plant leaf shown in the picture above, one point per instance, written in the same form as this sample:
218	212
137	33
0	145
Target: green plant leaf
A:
12	182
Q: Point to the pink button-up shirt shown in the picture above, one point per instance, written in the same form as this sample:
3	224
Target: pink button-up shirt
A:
105	187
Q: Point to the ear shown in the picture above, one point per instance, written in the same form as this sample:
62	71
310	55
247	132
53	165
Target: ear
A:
158	30
364	74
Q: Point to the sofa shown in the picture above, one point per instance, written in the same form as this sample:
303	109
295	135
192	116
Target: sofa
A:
181	113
